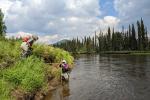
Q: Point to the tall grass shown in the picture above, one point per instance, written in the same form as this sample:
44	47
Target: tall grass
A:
55	54
31	73
5	89
28	74
9	50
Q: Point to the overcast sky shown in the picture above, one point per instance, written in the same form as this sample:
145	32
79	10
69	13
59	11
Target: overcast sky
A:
54	20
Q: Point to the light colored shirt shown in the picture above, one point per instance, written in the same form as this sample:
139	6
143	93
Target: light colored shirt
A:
24	46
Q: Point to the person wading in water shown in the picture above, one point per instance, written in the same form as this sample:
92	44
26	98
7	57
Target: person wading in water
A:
65	70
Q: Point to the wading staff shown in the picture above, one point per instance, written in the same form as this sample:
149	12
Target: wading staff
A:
60	72
61	75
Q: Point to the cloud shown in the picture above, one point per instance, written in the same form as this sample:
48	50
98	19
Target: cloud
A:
5	5
129	11
46	39
83	7
36	15
62	18
110	21
18	35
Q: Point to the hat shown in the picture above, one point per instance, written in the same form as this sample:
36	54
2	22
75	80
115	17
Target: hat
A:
35	37
63	61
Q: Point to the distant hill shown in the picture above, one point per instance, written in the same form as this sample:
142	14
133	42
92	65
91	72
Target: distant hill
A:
61	41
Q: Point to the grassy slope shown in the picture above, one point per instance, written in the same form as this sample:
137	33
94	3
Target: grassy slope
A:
28	74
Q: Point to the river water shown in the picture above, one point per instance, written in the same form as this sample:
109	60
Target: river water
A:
107	77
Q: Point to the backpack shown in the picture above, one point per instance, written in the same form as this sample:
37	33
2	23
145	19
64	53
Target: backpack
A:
65	66
25	39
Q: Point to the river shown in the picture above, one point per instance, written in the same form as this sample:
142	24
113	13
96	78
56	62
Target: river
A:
107	77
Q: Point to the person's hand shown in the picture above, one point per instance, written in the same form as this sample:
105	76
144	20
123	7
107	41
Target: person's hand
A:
31	48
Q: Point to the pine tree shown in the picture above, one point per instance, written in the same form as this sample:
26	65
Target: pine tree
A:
133	40
95	42
100	42
126	41
109	39
140	46
143	34
113	40
146	40
130	38
2	24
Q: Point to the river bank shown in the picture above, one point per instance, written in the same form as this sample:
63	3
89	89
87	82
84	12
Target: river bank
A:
127	52
31	77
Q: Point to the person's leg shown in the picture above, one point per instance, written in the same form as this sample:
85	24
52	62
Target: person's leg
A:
24	54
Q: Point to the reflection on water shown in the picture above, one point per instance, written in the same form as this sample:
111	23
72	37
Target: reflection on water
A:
61	93
65	89
107	77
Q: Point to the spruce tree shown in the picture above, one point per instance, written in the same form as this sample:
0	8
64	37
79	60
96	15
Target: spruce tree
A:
140	46
133	40
2	24
130	38
113	40
109	39
146	40
143	34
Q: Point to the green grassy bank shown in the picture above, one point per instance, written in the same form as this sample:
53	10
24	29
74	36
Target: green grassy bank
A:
31	74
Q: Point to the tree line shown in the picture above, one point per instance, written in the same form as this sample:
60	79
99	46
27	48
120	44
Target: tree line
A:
130	39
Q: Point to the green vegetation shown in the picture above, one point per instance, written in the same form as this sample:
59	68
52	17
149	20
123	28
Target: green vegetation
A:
5	89
52	54
129	39
2	24
26	73
9	49
30	74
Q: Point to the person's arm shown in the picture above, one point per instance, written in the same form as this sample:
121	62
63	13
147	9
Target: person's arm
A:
30	41
60	65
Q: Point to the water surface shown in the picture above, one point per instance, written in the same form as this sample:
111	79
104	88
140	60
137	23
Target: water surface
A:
108	77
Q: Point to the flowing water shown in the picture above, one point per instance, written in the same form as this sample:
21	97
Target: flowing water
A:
107	77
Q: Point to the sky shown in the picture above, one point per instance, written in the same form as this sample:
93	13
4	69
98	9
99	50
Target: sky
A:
54	20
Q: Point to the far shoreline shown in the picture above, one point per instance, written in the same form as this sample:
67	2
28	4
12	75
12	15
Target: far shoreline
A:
116	53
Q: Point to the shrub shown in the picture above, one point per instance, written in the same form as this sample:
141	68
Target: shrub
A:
55	54
9	49
5	89
27	73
